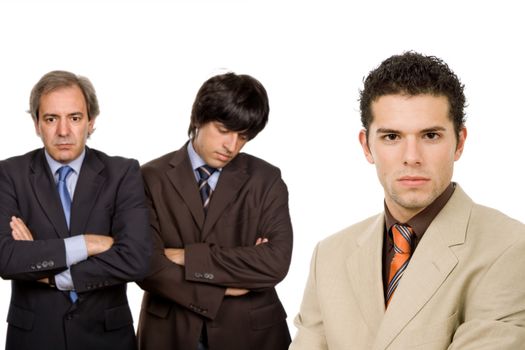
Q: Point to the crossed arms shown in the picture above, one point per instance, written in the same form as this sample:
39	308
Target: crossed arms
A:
237	260
32	250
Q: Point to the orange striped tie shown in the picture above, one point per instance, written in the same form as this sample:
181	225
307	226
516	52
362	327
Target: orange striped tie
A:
402	236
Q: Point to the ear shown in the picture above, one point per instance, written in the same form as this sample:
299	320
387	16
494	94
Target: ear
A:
461	143
366	149
37	129
91	126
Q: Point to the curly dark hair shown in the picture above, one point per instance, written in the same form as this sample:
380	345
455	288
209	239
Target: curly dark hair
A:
239	102
413	74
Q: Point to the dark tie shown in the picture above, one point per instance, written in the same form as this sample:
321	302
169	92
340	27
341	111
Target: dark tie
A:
205	172
65	198
402	236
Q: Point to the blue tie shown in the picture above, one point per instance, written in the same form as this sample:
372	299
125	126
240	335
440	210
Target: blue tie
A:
65	198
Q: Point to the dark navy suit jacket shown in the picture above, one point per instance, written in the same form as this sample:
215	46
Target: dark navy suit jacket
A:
108	200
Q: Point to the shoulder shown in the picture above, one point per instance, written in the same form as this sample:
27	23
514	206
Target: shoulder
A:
485	221
351	236
256	166
160	164
114	164
21	161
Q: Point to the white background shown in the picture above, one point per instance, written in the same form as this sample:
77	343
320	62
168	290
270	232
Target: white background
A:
148	58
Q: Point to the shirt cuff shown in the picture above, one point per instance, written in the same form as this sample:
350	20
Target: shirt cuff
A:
76	250
63	280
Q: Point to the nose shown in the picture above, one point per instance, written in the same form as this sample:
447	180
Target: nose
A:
412	152
62	127
231	141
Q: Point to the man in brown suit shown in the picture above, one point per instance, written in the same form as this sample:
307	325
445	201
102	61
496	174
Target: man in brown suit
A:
222	231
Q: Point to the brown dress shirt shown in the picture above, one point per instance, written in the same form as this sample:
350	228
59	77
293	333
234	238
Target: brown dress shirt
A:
419	224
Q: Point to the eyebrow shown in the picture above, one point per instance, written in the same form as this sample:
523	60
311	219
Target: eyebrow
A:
394	131
387	131
57	116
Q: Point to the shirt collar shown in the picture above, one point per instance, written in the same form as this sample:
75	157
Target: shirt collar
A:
195	159
75	164
421	221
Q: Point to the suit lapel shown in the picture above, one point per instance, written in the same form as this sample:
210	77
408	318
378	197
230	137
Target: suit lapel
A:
183	179
431	264
231	180
87	190
365	272
46	193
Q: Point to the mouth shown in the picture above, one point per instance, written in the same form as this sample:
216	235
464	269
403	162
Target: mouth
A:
64	146
223	157
413	180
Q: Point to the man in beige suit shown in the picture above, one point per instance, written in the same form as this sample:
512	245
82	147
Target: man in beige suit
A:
435	270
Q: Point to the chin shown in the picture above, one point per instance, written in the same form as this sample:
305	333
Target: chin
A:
63	157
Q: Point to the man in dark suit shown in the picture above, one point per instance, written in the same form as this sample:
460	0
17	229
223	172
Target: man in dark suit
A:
221	228
73	229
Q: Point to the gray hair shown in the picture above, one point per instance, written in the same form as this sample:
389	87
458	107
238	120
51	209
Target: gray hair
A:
59	79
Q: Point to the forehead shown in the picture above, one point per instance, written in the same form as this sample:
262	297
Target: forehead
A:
410	111
63	96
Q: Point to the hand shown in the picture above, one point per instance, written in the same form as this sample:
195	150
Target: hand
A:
261	240
20	232
175	254
97	244
235	292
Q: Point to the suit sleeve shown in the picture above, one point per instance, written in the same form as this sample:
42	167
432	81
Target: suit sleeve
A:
309	322
495	314
128	259
24	260
167	280
251	267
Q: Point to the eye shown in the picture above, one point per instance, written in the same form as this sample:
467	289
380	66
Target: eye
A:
390	137
243	137
49	119
432	135
76	118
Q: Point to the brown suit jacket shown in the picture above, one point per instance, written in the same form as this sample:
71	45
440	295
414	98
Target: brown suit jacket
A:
250	201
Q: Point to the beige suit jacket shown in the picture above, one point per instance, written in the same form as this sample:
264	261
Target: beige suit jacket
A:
463	289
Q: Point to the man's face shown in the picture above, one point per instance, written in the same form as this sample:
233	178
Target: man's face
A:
413	145
216	145
63	123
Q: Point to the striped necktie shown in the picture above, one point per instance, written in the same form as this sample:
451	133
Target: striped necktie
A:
205	172
402	236
65	198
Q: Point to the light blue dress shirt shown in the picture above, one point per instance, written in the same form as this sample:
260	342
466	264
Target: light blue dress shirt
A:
197	162
76	249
